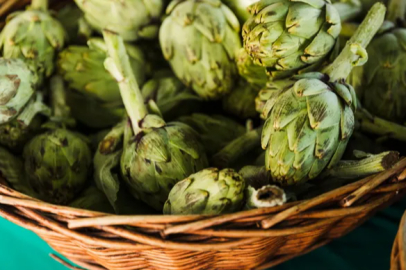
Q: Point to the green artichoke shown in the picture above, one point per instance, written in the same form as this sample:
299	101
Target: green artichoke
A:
155	155
254	74
384	81
57	165
199	39
309	123
131	19
288	37
17	88
209	192
171	96
240	8
241	101
34	36
307	128
215	131
94	97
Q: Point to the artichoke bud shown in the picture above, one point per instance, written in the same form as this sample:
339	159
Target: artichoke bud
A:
94	96
384	77
307	128
34	36
287	36
160	156
202	54
131	19
57	165
209	192
17	87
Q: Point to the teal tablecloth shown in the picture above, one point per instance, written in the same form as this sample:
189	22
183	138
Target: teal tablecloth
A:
368	247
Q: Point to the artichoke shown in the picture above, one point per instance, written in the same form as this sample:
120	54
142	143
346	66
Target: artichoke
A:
384	81
171	96
156	155
254	74
94	97
288	37
241	101
307	128
17	88
35	36
131	19
202	51
209	192
57	164
215	131
309	123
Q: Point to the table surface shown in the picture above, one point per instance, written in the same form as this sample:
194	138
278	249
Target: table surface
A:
368	247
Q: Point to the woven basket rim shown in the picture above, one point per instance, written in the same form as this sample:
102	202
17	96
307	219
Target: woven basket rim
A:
203	224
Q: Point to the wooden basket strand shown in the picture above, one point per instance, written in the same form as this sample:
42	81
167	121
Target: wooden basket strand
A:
398	258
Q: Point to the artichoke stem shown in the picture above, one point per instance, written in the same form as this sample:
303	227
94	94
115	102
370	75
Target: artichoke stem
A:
59	107
347	59
118	64
396	10
378	126
351	169
237	148
33	108
40	4
266	196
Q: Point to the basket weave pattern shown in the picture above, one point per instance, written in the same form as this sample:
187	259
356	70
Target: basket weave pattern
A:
398	259
258	238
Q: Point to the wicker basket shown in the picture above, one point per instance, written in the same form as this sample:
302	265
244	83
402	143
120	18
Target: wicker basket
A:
398	259
259	238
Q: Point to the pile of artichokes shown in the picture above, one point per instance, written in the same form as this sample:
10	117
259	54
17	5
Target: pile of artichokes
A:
199	106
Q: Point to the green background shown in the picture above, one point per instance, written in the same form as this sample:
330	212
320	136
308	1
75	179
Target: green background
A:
368	247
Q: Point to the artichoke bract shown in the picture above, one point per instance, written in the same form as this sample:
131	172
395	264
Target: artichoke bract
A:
384	80
199	39
94	97
209	192
132	19
171	96
215	131
34	36
240	8
156	155
288	36
308	126
309	123
254	74
17	87
57	165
